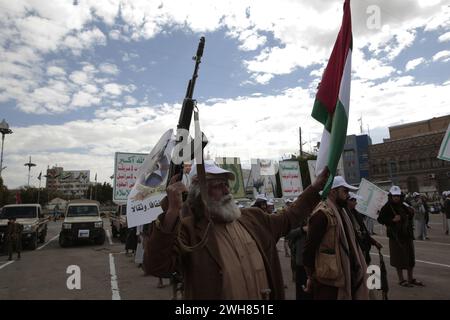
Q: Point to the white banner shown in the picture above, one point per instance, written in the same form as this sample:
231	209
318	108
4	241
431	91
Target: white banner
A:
126	167
444	151
267	167
291	180
312	169
374	198
143	205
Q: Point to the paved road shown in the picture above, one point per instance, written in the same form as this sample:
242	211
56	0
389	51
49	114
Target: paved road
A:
107	273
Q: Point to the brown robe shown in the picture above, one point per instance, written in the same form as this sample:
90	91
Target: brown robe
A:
202	268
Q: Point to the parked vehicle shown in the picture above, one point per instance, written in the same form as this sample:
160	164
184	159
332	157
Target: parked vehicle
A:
82	222
119	226
31	217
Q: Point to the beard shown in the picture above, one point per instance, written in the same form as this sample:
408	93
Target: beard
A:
341	203
223	210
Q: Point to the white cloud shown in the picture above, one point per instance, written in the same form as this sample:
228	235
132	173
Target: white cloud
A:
113	89
412	64
84	99
444	37
129	100
84	40
443	55
55	71
129	56
109	68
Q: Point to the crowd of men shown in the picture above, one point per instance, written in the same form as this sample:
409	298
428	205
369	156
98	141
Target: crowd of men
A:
223	251
218	249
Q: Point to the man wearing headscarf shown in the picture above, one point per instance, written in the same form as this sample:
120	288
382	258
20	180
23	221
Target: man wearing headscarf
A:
333	260
397	216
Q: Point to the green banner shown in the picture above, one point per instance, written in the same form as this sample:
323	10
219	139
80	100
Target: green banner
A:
234	165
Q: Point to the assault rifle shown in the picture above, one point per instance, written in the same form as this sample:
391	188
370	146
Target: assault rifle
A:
184	122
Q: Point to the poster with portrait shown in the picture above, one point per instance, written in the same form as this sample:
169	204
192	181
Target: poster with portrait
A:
143	203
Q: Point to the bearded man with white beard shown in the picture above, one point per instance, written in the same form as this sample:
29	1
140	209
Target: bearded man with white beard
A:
231	255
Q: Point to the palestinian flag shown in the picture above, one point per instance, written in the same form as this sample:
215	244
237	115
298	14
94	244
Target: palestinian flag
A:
331	106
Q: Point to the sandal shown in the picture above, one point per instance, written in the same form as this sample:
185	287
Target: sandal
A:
416	283
405	283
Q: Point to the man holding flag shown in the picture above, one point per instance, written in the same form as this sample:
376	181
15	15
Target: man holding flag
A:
333	261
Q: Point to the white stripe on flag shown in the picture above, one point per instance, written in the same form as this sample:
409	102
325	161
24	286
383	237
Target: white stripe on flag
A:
322	156
344	90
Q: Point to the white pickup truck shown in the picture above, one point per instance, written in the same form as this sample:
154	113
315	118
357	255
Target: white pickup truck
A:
82	221
31	217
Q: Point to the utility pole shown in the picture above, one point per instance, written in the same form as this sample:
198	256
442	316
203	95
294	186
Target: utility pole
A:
360	124
301	144
29	165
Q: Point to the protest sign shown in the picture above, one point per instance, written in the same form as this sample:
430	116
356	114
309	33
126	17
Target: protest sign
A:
291	180
373	199
143	205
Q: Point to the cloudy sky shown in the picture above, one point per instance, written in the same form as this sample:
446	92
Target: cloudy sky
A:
83	79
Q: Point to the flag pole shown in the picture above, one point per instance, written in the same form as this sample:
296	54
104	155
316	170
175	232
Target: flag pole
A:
39	191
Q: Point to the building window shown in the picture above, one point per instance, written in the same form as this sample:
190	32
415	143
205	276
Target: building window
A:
413	164
404	166
424	163
413	185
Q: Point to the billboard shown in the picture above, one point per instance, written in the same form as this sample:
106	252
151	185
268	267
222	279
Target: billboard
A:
262	176
291	180
234	165
126	167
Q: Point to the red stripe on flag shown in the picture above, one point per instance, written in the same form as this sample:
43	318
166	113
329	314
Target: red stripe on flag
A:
328	92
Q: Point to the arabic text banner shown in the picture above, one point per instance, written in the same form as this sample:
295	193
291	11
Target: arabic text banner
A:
291	180
126	166
374	198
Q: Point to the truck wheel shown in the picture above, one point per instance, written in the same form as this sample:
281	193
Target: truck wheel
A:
114	231
123	235
63	242
101	240
43	235
34	241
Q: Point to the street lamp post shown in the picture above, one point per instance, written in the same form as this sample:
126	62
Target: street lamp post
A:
4	129
29	164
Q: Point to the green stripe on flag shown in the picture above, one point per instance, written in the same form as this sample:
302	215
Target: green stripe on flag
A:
320	112
337	142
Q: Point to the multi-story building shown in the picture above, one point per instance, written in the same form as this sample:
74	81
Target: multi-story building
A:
74	184
409	157
356	158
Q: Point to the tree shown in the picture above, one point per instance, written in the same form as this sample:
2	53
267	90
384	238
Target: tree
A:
101	192
304	171
4	193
